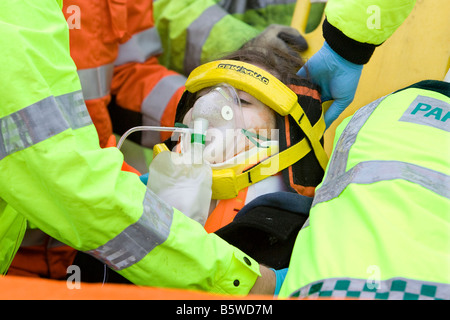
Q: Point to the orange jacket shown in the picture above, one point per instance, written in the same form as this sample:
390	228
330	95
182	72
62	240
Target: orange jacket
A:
115	47
225	212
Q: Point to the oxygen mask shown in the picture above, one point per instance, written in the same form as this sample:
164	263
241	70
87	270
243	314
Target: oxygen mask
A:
220	107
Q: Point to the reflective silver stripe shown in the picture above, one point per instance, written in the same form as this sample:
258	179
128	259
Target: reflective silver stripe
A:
197	33
74	110
337	178
234	6
140	47
154	105
42	120
199	30
390	289
140	238
242	6
338	161
373	171
96	82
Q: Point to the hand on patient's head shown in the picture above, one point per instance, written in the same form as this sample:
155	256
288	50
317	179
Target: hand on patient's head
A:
284	38
337	78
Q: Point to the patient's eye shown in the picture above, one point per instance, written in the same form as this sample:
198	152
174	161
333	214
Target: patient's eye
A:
243	101
244	98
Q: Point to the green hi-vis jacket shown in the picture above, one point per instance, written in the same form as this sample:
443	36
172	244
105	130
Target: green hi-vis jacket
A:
54	175
368	21
198	31
379	224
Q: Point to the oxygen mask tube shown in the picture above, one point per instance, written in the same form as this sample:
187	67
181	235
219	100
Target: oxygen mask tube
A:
152	128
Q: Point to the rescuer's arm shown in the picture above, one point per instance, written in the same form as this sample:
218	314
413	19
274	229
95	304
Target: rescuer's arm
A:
352	30
266	283
194	32
57	178
197	31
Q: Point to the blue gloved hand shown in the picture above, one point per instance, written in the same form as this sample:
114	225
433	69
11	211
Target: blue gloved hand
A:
337	77
144	178
279	275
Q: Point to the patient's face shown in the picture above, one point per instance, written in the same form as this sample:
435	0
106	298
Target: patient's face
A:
225	138
258	117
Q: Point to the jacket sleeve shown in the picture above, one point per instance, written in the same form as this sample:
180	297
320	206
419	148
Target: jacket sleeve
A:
55	175
354	28
195	32
140	83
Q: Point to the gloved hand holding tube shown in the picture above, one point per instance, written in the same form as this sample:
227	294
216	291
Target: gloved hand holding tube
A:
213	136
337	77
184	180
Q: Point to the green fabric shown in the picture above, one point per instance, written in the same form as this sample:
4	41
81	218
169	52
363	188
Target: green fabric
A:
54	175
260	18
397	226
315	16
65	176
27	50
12	229
172	18
368	21
224	38
193	259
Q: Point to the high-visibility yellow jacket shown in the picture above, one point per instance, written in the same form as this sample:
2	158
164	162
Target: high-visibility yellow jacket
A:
195	32
354	28
379	224
54	175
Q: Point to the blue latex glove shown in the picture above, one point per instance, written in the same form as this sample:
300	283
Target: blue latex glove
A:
280	275
144	178
337	77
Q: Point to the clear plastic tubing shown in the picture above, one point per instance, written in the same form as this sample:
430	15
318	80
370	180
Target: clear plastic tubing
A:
151	128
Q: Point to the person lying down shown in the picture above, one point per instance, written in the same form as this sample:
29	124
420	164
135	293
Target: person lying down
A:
262	156
254	154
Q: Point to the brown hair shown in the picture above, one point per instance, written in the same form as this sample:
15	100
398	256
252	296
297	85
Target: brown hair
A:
279	63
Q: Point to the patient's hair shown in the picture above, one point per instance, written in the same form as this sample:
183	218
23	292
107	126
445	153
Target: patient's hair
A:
282	65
